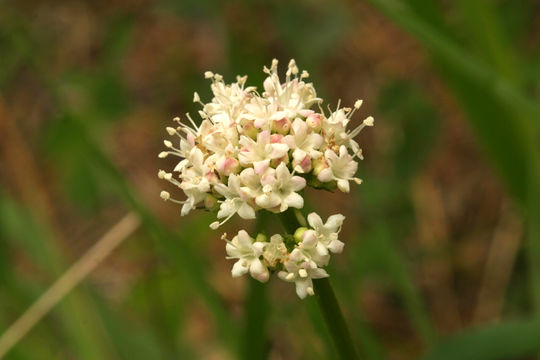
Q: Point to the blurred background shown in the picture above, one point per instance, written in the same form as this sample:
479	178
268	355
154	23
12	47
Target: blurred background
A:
442	256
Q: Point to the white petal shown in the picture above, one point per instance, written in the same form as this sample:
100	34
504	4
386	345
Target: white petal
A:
314	220
299	126
246	212
261	166
227	208
318	273
325	175
334	222
299	155
296	255
321	250
336	246
259	271
239	268
263	138
268	201
309	238
279	150
301	288
297	183
294	200
343	185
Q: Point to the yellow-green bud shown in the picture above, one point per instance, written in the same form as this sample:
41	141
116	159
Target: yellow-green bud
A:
298	234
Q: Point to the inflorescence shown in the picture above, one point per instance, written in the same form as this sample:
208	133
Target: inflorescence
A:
255	152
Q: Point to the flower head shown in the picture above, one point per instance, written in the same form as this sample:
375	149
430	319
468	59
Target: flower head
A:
253	151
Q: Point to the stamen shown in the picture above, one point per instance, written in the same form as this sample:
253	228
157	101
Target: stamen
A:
289	276
165	195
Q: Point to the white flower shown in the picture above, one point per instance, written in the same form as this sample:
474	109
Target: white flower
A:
247	251
304	144
313	249
275	251
341	168
302	275
327	233
281	189
260	152
236	201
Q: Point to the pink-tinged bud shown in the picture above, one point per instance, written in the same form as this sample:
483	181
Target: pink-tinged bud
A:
282	126
250	129
211	177
276	138
314	122
305	164
228	166
211	203
319	165
277	161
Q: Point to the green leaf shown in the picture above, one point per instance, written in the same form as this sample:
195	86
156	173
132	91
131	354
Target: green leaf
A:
503	341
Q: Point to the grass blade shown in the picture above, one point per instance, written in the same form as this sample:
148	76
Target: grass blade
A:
502	341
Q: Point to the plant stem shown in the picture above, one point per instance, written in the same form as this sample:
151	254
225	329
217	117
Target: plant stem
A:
335	322
328	304
255	341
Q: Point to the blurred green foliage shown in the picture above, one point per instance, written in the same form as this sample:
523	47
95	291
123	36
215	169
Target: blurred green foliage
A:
93	71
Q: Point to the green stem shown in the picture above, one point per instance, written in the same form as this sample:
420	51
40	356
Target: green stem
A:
257	307
327	301
255	340
333	317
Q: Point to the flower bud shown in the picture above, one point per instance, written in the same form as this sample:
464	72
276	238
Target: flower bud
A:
277	161
211	177
250	130
228	166
319	165
282	126
261	238
303	166
314	122
298	234
276	139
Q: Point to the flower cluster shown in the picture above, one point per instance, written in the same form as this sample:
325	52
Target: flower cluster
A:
299	258
256	151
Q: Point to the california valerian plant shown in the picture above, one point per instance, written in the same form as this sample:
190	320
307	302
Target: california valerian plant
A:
254	152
